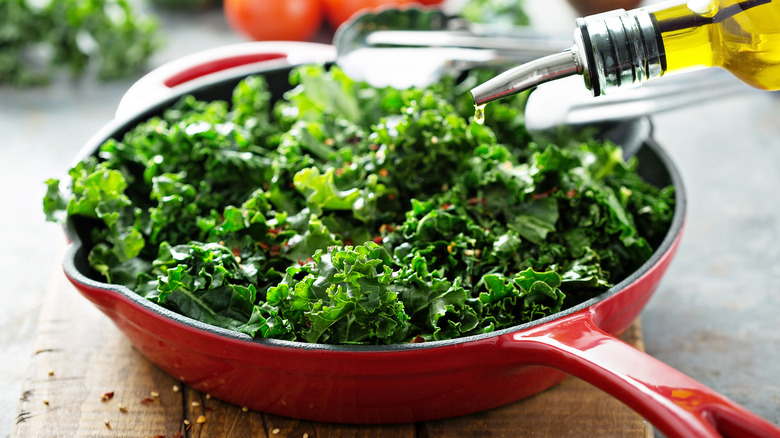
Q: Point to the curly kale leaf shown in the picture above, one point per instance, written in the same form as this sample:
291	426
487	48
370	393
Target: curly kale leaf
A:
204	282
352	215
340	296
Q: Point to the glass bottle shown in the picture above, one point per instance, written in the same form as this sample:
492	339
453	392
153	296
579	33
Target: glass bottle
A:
619	49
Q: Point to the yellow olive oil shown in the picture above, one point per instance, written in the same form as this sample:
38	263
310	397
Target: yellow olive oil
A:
479	114
620	49
742	37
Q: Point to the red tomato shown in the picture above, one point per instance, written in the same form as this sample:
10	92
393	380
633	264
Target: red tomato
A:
296	20
339	11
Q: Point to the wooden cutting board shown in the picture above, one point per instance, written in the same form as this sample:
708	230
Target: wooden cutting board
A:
86	380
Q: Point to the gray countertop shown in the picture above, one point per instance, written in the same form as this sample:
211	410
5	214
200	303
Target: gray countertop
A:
714	317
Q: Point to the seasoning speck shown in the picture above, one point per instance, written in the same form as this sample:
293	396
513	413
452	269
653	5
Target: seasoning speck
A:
122	408
155	394
305	435
176	388
208	396
201	419
195	404
51	372
147	400
275	431
46	401
186	422
107	396
244	409
107	423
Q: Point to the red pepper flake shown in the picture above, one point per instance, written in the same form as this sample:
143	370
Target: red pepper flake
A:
236	251
383	173
545	194
384	228
391	196
303	262
475	201
373	147
340	171
571	193
107	396
417	340
446	205
377	240
147	400
275	231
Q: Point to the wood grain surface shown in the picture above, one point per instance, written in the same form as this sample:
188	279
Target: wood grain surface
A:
86	380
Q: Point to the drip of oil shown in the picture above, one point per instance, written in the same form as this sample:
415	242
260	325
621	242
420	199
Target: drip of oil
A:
742	37
479	114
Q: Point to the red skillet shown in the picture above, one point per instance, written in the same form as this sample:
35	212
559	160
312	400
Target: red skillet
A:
410	382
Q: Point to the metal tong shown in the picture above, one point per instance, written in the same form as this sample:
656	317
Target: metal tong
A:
416	46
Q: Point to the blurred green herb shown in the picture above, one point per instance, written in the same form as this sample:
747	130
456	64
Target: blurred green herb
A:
38	39
495	12
347	214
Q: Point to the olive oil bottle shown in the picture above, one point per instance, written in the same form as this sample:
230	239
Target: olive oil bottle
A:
621	48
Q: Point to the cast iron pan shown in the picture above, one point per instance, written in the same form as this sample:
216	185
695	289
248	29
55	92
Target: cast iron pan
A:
408	382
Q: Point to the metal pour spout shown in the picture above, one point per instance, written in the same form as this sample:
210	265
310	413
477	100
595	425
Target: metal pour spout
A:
528	75
614	50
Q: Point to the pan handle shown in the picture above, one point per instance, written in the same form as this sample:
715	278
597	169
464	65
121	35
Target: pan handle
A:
209	65
676	404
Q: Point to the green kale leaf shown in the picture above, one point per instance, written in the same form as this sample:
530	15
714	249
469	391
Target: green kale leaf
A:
347	214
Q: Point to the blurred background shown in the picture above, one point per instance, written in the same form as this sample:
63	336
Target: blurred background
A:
714	317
